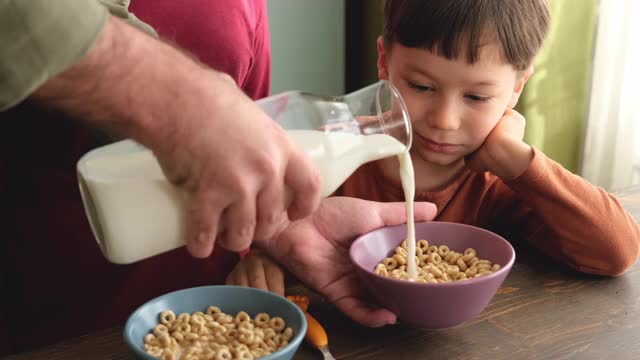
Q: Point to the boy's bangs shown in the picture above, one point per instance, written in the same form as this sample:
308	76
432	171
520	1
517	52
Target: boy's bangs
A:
447	29
454	28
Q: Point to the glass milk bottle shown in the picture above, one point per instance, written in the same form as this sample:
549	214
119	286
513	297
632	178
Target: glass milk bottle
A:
135	213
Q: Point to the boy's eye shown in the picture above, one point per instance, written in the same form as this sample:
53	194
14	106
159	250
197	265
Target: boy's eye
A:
420	87
477	98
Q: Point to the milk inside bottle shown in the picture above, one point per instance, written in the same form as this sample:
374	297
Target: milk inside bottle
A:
135	212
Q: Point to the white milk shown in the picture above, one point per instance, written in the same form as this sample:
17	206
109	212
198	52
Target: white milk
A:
135	213
409	187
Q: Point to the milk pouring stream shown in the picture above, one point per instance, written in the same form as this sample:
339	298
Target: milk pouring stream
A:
136	213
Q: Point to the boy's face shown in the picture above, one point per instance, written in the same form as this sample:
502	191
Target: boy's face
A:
453	105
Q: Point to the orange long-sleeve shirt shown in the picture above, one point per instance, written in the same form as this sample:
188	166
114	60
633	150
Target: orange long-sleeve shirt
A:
556	211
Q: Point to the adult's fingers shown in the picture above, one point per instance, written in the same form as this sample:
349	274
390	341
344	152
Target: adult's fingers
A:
240	221
271	210
304	182
203	217
395	213
424	211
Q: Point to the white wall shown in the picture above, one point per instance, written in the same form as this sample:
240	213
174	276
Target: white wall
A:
307	45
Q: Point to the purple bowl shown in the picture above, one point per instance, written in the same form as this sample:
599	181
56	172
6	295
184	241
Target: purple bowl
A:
426	305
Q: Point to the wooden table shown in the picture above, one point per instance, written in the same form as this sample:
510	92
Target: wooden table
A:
542	311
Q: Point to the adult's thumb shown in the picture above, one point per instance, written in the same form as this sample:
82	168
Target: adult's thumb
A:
424	211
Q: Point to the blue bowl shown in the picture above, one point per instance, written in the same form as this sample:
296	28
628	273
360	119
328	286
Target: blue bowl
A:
230	299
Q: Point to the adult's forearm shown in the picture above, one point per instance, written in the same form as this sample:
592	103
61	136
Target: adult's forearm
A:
130	83
233	161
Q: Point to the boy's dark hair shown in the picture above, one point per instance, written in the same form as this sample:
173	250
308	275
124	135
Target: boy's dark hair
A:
442	26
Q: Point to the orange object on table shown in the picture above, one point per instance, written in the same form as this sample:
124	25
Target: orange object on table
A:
316	335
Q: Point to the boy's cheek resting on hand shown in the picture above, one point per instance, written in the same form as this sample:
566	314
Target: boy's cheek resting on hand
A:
504	153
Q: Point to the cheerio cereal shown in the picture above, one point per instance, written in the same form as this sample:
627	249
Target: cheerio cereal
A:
436	264
216	335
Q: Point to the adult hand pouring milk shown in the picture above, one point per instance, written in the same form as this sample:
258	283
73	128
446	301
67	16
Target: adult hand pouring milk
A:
136	213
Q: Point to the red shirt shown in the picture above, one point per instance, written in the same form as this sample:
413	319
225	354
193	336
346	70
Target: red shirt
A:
228	35
54	281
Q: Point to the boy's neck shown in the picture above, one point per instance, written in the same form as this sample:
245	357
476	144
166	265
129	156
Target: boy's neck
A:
428	176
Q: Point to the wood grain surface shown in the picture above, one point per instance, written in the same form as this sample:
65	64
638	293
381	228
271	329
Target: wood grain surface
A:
542	311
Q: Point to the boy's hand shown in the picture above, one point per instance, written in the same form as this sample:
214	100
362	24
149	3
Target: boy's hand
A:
503	152
259	271
316	251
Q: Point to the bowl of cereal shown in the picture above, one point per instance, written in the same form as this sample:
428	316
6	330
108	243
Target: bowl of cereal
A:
458	270
216	322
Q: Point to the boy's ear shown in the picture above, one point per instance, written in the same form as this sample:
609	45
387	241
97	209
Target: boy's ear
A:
383	66
520	86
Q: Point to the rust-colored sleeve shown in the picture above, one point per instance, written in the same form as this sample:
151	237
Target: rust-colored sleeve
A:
573	221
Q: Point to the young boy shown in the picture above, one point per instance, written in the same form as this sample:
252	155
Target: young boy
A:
461	66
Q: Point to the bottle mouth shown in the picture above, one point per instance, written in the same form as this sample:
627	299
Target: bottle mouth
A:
393	114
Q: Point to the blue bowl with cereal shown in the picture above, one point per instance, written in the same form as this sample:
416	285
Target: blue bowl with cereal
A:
216	322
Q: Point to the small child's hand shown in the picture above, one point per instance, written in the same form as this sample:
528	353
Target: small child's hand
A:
259	271
503	152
